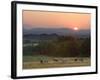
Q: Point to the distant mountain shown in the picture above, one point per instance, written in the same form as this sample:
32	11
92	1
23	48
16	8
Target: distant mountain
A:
57	31
40	36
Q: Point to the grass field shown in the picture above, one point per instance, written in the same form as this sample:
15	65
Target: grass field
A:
31	62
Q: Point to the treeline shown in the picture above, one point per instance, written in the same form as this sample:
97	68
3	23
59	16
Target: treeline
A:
61	47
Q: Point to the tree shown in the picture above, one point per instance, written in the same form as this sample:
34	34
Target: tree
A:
85	48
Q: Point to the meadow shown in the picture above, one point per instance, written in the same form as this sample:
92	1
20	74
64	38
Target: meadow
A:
56	51
31	62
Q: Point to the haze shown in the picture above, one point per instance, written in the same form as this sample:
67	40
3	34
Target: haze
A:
43	19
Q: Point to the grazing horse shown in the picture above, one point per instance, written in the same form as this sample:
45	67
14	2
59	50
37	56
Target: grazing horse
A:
80	59
56	60
43	61
75	59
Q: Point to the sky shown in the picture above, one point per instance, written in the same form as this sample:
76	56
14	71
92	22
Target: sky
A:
44	19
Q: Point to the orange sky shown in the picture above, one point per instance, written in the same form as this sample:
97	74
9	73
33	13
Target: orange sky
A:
45	19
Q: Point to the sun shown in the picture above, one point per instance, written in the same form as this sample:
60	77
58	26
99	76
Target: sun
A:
75	28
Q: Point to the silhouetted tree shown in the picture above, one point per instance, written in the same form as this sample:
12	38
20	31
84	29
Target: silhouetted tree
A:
85	48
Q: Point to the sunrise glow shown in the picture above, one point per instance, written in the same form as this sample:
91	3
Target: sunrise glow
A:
42	19
75	28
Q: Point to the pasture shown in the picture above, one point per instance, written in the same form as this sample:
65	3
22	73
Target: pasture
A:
40	61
